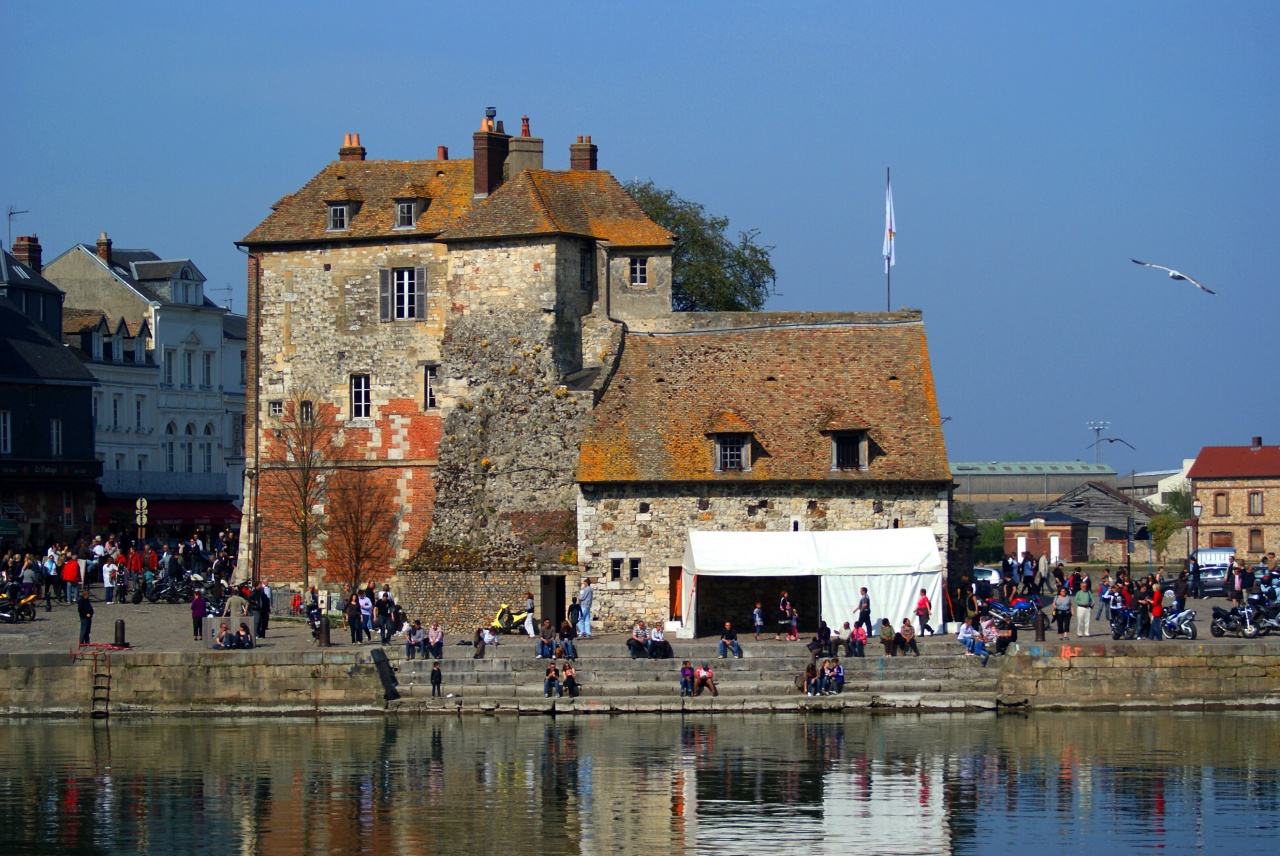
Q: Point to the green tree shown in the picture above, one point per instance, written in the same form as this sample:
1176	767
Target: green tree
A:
1162	527
1178	503
709	271
965	513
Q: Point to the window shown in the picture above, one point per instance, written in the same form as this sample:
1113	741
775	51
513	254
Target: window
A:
732	453
275	408
188	450
337	218
306	411
406	213
237	434
206	449
1221	539
361	407
849	451
586	267
142	463
168	448
615	569
119	460
429	388
139	350
244	368
137	413
188	369
6	433
1255	502
1220	505
55	437
1256	544
633	569
94	408
115	413
402	294
208	368
169	356
639	273
96	347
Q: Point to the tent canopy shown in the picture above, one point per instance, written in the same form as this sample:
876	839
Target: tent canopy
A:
893	565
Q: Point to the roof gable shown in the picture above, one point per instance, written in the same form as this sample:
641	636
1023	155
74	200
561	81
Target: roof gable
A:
1100	504
669	389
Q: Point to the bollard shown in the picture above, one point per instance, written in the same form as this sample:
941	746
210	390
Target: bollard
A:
120	643
322	638
1040	624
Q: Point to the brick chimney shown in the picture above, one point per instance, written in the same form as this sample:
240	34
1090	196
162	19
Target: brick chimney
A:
582	154
26	249
104	248
491	146
1257	441
351	149
442	153
526	151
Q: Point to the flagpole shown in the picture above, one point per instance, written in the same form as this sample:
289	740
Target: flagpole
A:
888	290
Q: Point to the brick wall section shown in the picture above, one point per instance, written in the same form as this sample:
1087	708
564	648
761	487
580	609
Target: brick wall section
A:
611	523
1238	521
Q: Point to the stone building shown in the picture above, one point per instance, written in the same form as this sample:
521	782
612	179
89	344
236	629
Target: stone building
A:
169	411
1239	490
754	422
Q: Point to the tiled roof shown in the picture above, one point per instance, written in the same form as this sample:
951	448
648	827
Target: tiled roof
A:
590	203
303	216
81	320
17	274
1226	462
787	384
28	353
164	269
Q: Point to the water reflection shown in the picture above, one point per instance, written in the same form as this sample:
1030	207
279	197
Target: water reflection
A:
936	784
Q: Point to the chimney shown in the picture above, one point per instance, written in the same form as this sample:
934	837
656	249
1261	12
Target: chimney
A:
442	153
490	155
582	154
104	248
525	151
351	149
1257	441
26	249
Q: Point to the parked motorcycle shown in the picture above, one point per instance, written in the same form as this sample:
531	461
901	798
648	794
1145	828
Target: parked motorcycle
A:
1021	612
1236	621
1266	617
12	601
1179	624
171	590
508	621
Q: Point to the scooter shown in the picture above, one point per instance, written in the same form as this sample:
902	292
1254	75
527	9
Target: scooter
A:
1179	624
507	621
21	608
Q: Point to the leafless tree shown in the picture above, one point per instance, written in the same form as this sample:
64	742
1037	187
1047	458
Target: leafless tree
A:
300	458
362	523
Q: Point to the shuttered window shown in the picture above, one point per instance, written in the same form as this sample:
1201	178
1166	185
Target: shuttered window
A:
402	294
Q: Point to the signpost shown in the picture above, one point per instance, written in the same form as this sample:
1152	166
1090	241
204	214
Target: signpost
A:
141	517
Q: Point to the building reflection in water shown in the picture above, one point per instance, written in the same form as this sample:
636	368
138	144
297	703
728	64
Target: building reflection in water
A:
732	784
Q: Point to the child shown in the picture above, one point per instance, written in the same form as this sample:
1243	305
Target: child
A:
858	640
686	679
437	677
757	620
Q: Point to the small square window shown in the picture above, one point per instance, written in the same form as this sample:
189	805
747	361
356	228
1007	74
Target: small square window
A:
275	408
615	569
633	569
337	218
361	399
639	272
732	453
429	388
406	214
849	451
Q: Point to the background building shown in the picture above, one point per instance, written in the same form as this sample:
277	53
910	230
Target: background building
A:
1239	489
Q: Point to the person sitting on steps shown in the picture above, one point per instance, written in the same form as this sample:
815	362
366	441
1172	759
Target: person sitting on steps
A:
888	638
546	640
638	641
659	647
906	638
686	679
729	641
569	678
704	678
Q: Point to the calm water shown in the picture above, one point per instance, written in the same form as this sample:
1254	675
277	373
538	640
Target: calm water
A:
1078	784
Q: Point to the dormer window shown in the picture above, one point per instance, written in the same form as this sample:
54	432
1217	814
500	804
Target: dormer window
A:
406	213
733	453
97	345
338	218
849	450
639	270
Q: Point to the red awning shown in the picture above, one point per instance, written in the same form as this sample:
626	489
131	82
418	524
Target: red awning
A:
176	512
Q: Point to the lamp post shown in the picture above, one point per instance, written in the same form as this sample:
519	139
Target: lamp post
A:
1197	508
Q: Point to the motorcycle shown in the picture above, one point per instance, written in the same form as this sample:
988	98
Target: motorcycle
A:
507	621
171	590
1179	624
1021	612
1237	621
1124	621
20	607
1266	617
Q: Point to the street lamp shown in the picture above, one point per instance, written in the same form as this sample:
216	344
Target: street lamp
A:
1197	508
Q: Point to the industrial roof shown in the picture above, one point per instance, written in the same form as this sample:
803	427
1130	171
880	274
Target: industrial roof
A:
1022	468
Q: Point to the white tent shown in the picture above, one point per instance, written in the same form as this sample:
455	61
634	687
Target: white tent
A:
893	564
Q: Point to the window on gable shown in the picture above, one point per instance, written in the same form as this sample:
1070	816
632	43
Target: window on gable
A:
1221	507
733	453
429	380
97	346
337	217
849	451
406	213
402	294
1255	502
639	272
361	399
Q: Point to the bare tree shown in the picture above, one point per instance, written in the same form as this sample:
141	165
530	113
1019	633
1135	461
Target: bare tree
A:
362	522
299	458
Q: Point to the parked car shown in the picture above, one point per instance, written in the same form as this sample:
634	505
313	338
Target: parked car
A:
1214	563
988	575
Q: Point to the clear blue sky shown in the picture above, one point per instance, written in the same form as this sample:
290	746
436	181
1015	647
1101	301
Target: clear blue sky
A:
1035	148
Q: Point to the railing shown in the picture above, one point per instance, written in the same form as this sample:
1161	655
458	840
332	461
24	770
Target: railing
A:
134	483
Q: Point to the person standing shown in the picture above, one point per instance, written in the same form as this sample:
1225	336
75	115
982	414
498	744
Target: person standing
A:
437	678
757	620
586	598
574	615
1042	573
530	623
1062	611
266	607
71	576
85	609
382	616
923	608
366	615
1194	567
108	578
864	611
1084	607
256	608
198	608
351	614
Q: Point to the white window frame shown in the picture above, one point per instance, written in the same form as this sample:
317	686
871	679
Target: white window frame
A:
337	219
861	450
170	357
404	286
6	433
55	437
639	271
429	380
361	396
207	368
275	408
406	213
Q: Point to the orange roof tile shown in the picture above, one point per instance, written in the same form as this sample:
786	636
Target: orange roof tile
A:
790	385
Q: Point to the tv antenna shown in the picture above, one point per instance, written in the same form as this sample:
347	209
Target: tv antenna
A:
228	291
13	212
1097	428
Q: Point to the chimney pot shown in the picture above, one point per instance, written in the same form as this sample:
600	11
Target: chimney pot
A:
489	156
351	149
104	248
524	127
442	153
583	155
1257	443
26	249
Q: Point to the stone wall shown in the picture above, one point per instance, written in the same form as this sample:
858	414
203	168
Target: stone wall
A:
1116	552
650	523
1237	520
462	599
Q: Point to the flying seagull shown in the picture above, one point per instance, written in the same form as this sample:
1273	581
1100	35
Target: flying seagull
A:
1112	439
1173	274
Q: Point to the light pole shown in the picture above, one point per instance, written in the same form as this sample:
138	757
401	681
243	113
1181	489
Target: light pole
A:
1197	508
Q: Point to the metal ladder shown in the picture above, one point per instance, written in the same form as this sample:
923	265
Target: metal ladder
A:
101	703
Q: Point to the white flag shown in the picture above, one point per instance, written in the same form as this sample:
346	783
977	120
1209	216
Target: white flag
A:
890	230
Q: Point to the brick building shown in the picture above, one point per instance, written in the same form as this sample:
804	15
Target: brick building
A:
1239	490
1060	536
